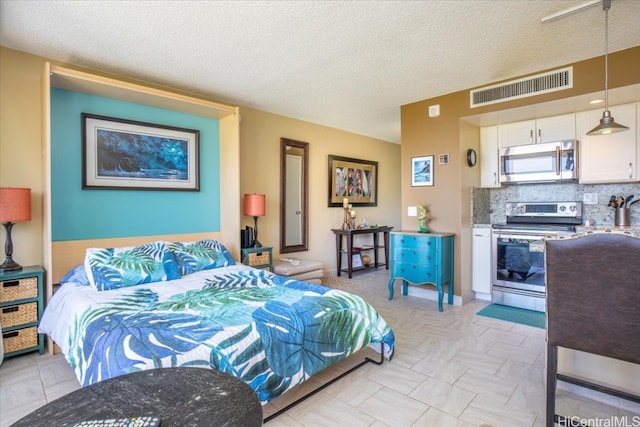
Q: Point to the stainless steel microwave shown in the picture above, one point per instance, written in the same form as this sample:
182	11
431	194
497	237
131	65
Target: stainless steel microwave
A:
546	162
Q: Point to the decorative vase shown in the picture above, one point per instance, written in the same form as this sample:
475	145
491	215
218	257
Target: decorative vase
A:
366	260
423	218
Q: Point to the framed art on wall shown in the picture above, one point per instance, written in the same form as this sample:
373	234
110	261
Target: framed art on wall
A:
352	181
422	171
125	154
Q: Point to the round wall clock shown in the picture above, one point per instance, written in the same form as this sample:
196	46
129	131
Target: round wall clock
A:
471	157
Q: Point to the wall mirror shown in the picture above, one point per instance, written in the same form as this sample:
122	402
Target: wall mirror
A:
294	215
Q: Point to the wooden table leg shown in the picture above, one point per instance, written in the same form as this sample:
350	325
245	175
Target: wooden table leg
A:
339	252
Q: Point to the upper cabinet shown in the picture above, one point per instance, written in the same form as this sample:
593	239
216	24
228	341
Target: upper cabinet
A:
548	129
609	158
489	157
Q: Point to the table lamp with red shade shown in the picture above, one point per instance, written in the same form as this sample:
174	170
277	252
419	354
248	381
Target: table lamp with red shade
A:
254	205
15	206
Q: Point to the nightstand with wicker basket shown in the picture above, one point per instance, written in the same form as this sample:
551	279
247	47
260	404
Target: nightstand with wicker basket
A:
21	305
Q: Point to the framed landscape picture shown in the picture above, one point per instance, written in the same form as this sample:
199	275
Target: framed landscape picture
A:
356	260
126	154
352	181
422	171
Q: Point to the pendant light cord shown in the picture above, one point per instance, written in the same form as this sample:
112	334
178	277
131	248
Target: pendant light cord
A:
606	57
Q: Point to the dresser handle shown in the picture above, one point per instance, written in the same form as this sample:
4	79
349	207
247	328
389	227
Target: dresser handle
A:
10	334
11	309
10	283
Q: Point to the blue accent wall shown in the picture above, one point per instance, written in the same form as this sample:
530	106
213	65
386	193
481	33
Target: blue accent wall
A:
79	214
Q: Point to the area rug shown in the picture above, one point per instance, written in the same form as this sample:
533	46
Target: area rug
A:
515	315
340	283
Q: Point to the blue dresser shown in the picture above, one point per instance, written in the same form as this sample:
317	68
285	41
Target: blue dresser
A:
422	258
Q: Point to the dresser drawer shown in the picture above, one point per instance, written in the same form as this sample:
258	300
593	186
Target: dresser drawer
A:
20	314
413	273
13	290
20	339
426	256
419	243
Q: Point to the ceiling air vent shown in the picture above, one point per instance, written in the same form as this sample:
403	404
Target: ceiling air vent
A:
529	86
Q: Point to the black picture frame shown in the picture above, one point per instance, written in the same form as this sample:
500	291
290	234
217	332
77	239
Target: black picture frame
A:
126	154
353	181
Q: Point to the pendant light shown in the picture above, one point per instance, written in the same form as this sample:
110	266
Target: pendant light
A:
607	123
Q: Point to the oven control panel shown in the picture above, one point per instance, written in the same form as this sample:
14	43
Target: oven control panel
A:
545	209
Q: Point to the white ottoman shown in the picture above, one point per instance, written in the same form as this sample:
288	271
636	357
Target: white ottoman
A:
308	271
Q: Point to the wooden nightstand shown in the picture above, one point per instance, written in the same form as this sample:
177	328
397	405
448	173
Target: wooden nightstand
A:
21	305
258	257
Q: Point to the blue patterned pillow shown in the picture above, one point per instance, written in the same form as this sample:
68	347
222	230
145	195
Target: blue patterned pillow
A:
202	255
112	268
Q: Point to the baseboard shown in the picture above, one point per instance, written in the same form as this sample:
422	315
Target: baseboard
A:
430	294
482	296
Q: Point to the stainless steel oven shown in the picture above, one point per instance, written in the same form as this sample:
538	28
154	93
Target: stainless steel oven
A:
518	276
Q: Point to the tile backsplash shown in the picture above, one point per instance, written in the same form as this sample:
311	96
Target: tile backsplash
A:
488	204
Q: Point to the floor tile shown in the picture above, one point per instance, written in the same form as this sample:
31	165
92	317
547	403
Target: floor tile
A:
487	385
443	396
393	408
483	410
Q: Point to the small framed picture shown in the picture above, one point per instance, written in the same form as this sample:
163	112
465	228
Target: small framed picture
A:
422	171
356	260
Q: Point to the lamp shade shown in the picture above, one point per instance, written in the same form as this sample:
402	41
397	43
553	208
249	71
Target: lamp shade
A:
15	204
254	204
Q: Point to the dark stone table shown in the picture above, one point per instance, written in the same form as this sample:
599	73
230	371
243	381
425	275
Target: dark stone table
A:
179	396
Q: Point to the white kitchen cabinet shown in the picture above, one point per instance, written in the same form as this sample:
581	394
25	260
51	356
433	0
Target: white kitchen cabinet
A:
547	129
609	158
481	262
489	177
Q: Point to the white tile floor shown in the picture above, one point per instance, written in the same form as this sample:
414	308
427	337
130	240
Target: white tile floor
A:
450	369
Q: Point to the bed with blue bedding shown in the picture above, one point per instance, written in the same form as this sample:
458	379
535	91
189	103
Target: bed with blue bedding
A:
140	311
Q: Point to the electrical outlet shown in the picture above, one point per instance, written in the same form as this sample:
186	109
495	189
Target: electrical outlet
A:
412	211
590	198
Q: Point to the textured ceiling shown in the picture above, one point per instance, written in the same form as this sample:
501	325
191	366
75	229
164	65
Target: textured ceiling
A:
344	64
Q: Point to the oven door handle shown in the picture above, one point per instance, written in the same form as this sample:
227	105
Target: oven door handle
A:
534	238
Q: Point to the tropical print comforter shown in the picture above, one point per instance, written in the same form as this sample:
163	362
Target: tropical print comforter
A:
269	331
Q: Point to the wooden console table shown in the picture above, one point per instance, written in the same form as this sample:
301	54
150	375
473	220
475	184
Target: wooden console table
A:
350	250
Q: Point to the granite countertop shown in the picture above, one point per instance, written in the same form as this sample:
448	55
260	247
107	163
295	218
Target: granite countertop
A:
179	396
633	230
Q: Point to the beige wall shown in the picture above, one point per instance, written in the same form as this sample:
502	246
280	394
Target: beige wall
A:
260	135
21	146
449	199
21	164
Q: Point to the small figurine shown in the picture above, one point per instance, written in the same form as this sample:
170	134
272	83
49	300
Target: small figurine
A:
423	218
